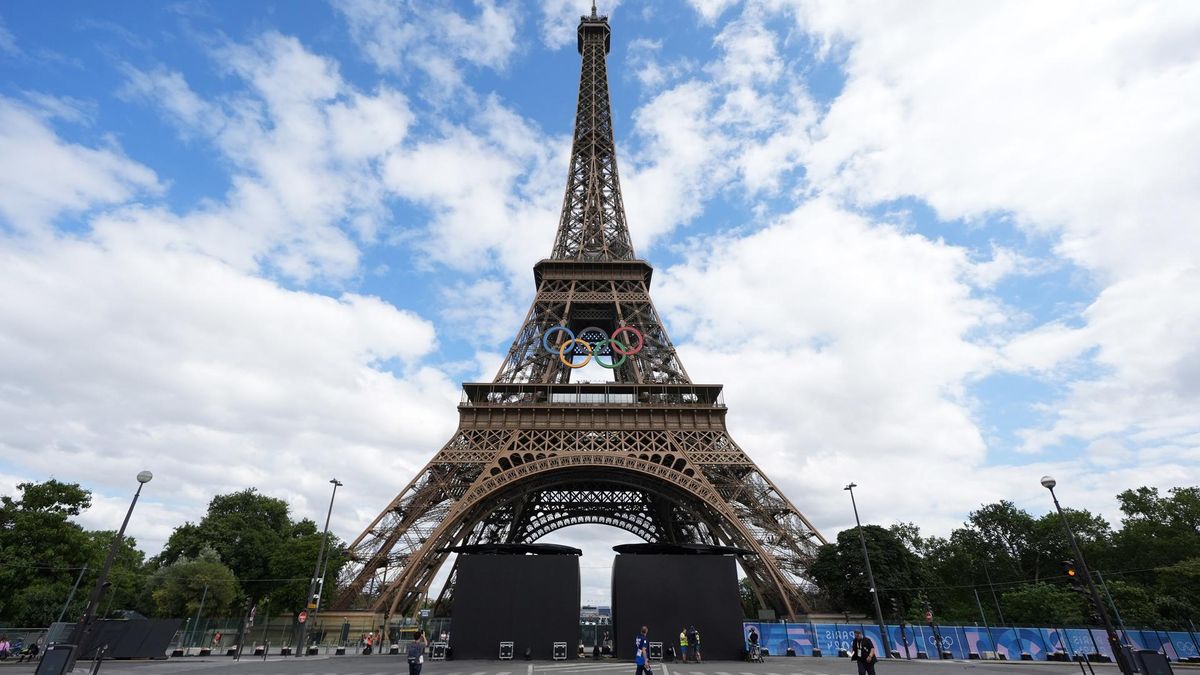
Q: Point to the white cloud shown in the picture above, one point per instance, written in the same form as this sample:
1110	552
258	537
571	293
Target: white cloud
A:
8	42
741	130
1075	122
432	39
148	340
491	191
43	177
308	152
844	347
711	10
215	380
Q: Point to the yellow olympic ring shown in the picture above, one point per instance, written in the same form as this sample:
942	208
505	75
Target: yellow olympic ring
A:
562	353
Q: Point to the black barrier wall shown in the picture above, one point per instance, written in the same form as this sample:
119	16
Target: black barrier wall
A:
529	600
133	638
670	592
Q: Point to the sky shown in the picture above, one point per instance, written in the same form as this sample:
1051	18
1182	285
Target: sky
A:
938	249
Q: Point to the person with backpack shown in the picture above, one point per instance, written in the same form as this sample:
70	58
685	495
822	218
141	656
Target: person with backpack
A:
416	653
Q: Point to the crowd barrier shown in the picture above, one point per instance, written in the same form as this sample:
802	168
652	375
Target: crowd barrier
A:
965	642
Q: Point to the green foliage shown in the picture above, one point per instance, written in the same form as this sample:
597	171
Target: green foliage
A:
42	551
840	572
748	599
178	589
1013	559
271	555
1044	604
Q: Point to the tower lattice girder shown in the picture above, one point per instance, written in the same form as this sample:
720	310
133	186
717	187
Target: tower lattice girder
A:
535	452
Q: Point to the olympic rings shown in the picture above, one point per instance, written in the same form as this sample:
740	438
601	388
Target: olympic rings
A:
593	350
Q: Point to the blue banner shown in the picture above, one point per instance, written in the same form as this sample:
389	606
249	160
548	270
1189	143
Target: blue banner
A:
1184	645
963	641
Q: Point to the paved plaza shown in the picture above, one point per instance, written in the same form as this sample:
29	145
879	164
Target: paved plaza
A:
396	665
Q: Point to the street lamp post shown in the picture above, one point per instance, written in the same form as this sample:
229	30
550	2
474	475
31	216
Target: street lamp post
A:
1114	642
85	630
318	580
887	646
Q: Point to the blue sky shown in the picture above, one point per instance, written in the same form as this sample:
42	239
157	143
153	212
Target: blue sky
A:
941	249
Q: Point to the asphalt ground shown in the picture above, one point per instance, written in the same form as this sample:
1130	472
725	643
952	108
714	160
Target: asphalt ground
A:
397	665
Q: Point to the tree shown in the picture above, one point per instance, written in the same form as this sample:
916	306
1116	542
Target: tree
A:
126	578
1044	604
748	598
839	570
179	588
41	550
253	534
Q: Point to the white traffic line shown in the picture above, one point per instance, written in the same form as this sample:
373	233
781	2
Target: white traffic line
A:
579	667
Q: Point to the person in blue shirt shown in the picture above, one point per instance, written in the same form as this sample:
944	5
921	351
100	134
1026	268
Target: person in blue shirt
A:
642	657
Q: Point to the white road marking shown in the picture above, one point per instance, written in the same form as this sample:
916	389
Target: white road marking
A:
579	667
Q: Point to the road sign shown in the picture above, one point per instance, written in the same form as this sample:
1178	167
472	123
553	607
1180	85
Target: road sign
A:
303	616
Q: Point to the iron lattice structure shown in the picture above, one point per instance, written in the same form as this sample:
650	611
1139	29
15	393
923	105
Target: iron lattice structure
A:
535	452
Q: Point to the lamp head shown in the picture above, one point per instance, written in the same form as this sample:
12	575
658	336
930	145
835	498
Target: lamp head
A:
144	476
1048	482
336	482
850	486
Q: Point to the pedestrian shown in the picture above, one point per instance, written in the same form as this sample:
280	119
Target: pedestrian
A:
752	638
5	647
416	653
642	656
683	645
862	650
693	638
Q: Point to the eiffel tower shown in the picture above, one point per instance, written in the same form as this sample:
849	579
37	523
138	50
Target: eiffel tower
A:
535	452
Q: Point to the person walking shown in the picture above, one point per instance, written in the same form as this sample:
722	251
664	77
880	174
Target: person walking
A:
642	656
683	645
862	650
416	653
693	638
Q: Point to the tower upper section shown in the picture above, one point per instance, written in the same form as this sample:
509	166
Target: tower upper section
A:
592	226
